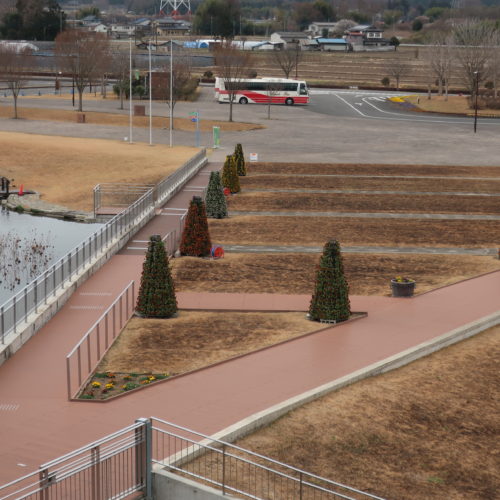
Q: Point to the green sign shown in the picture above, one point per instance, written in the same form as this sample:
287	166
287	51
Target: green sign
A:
137	74
216	131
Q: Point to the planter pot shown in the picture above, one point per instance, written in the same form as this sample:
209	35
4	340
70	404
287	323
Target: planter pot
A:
402	289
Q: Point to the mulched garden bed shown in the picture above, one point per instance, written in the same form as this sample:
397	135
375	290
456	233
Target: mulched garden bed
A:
372	169
270	181
342	202
351	231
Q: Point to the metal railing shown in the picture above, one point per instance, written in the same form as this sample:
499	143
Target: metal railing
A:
86	355
16	310
37	293
237	471
117	194
115	467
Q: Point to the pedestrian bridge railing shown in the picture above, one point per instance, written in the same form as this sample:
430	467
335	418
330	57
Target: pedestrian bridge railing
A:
86	355
121	466
15	311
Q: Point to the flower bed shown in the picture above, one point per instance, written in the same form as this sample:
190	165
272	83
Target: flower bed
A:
109	384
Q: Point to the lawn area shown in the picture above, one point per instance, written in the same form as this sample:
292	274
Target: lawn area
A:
122	120
428	430
454	105
64	170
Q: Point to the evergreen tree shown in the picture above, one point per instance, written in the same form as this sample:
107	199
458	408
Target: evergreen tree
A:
240	160
330	300
156	297
215	200
230	177
195	237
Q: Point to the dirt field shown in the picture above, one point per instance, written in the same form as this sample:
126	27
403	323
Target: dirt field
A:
374	169
315	231
196	339
92	117
426	431
379	183
347	202
367	274
65	170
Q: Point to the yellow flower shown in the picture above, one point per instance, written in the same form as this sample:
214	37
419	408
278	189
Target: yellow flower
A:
96	384
110	386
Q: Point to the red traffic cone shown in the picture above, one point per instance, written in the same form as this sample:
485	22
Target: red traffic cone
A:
21	190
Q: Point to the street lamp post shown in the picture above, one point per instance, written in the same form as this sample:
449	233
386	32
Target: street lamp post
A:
476	73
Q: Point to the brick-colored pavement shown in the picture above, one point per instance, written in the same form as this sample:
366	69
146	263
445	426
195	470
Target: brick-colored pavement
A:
40	424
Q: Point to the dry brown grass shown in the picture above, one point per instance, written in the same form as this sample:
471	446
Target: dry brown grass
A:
367	274
65	170
348	202
92	117
314	231
270	181
426	431
454	105
197	339
373	169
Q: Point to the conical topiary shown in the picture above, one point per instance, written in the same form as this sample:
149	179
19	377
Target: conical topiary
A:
156	297
240	160
230	177
330	301
195	238
215	199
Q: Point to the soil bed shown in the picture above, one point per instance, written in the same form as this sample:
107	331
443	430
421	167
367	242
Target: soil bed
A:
193	340
351	231
270	181
371	169
428	430
342	202
367	274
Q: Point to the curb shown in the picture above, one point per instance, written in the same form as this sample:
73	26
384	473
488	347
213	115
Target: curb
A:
263	418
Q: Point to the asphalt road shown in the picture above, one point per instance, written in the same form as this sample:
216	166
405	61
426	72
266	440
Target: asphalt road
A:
338	126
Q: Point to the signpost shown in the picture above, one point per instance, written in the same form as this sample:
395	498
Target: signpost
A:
216	133
195	118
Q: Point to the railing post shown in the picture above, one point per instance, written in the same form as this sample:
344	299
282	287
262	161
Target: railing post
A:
223	469
44	481
96	473
300	483
144	457
68	377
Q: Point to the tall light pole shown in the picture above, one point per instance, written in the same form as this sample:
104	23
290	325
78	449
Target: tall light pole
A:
171	91
476	84
150	98
130	93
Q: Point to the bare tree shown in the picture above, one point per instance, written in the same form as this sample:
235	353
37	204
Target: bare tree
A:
14	64
288	59
120	67
272	90
232	66
474	40
84	55
494	63
440	61
398	68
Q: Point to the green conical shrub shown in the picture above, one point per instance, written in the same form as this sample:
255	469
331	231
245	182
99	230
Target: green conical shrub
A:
195	237
240	160
330	301
215	199
230	177
156	297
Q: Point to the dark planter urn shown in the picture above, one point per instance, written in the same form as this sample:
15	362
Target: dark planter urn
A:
402	288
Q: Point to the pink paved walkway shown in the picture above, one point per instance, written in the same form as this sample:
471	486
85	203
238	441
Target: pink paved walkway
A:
45	425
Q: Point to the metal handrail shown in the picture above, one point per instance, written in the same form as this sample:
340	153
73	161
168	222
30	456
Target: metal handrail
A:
254	454
95	327
36	293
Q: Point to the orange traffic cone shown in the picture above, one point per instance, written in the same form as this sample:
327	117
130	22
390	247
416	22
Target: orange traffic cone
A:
21	190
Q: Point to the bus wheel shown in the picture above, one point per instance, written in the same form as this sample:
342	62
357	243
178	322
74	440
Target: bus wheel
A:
243	100
289	101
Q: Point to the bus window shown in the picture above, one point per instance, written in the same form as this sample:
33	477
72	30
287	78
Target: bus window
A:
303	89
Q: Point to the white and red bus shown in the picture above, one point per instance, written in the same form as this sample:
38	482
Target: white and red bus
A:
262	91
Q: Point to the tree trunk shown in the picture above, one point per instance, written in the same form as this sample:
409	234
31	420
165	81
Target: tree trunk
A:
269	108
397	83
429	93
121	96
231	98
80	100
440	86
15	105
446	89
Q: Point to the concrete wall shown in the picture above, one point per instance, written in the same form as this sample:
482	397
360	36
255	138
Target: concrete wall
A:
168	486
